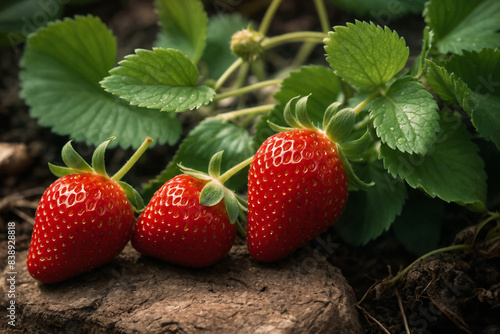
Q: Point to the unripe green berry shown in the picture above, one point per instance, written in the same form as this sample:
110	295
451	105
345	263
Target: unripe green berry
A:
246	44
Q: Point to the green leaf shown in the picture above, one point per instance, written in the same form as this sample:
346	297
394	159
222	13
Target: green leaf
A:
164	79
232	206
406	117
451	170
183	26
464	24
60	171
73	160
212	193
364	54
215	164
418	227
369	213
218	56
473	80
341	125
133	196
98	158
207	138
319	81
19	18
446	85
60	82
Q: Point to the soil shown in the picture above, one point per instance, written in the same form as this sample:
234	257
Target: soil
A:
454	292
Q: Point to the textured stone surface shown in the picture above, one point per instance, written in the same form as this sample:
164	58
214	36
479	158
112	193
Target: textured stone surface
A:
135	294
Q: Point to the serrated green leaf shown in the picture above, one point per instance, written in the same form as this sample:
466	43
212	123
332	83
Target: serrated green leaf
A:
60	82
218	56
212	193
369	213
418	227
446	85
164	79
406	117
464	24
207	138
451	170
319	81
183	26
473	80
364	54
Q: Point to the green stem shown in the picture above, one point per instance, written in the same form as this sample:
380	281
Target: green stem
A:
299	36
303	53
133	159
268	17
436	251
493	215
228	73
366	102
240	229
247	89
242	112
227	175
323	16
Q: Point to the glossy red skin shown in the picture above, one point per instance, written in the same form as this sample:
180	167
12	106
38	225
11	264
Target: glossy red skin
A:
82	222
297	189
175	228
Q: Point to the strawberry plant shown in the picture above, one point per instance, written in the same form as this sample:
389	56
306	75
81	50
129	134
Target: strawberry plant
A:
407	132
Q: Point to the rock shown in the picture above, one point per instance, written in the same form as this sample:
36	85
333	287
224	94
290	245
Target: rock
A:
14	158
135	294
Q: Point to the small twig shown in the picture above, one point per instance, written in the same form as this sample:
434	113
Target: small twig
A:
402	310
368	315
370	289
24	216
458	321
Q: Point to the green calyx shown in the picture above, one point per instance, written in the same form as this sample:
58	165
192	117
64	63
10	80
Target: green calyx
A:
338	125
75	164
214	191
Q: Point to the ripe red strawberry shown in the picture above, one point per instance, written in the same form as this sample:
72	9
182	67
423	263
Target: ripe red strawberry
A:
297	189
83	221
176	228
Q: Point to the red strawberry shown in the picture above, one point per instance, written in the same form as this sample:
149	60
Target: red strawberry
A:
297	189
83	221
176	228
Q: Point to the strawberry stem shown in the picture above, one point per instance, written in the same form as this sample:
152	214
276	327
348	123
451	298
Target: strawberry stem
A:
268	16
133	159
247	111
366	102
299	36
436	251
227	175
234	66
322	14
247	89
